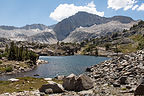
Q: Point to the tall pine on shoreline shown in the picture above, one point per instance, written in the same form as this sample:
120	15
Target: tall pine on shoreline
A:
20	53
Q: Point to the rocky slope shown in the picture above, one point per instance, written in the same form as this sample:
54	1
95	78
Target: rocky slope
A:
83	33
120	75
44	37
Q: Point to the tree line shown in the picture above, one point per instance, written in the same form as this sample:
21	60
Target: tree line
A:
21	53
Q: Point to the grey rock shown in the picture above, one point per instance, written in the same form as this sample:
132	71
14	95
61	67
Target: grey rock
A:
122	80
96	76
139	90
84	83
48	91
60	77
116	85
74	83
69	82
128	86
55	88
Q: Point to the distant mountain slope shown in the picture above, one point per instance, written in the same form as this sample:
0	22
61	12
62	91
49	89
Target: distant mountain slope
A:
8	27
35	26
76	28
45	37
35	32
83	33
25	33
27	27
84	19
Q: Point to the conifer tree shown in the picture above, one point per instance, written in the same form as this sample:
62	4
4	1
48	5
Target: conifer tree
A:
12	53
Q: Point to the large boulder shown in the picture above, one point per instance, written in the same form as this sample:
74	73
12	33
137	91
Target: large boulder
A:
84	83
74	83
140	89
69	82
51	88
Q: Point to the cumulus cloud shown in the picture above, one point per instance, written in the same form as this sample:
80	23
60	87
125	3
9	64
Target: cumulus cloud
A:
141	8
65	10
118	4
135	7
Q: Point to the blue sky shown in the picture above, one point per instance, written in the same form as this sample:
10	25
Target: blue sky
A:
22	12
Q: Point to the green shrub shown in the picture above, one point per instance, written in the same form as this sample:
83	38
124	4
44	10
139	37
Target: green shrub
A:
0	56
0	62
8	69
123	89
5	54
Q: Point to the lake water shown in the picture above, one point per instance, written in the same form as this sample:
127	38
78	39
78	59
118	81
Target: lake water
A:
60	65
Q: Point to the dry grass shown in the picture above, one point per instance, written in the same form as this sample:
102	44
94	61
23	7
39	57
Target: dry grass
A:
24	84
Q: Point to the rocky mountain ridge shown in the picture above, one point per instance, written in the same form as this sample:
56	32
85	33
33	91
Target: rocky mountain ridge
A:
83	33
76	28
84	19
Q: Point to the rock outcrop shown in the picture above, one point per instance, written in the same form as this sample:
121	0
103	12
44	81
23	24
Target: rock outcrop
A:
123	73
77	83
69	82
51	88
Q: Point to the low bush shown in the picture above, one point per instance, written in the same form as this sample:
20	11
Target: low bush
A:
8	69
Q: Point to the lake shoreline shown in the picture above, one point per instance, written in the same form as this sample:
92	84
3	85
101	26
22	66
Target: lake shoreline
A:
107	76
27	69
18	69
42	63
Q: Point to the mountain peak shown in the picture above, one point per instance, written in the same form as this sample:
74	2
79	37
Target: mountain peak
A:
122	19
85	13
84	19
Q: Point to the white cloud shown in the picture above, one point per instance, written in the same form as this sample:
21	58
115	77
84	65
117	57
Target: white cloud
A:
135	7
141	8
118	4
65	10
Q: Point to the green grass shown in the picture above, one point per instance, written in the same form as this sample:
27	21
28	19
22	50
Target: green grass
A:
123	88
1	62
127	48
133	47
24	84
8	69
58	81
137	38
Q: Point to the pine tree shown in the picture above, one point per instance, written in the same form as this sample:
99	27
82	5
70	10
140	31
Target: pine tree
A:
12	53
21	53
6	49
96	52
17	53
26	54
